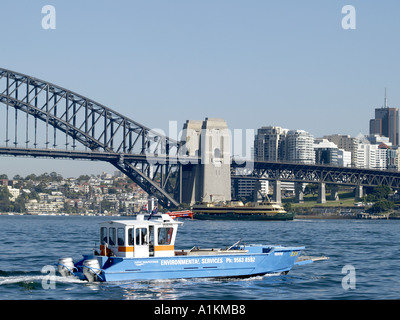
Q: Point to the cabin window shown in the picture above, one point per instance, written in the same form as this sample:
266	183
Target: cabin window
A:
103	235
121	236
130	236
112	236
165	236
151	235
141	236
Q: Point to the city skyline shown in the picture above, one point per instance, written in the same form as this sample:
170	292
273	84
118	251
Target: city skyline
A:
252	64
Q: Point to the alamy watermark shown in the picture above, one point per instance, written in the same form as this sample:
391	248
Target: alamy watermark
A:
349	280
205	146
349	20
49	20
49	280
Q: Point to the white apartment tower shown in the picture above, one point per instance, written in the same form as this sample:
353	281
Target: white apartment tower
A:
299	147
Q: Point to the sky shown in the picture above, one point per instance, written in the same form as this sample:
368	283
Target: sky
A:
255	63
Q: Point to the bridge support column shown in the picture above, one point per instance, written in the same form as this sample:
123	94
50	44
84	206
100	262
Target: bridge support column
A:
321	193
277	191
359	193
257	188
334	192
298	188
210	180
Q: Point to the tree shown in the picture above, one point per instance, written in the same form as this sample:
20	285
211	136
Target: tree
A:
83	177
381	206
4	199
379	193
288	206
19	203
311	188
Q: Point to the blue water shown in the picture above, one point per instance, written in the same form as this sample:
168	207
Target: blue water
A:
371	247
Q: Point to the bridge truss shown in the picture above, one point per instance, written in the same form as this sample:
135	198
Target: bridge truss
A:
304	173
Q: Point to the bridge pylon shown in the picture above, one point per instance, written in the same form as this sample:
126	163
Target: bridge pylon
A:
210	179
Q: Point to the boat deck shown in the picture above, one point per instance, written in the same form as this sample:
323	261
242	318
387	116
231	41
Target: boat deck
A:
309	259
195	251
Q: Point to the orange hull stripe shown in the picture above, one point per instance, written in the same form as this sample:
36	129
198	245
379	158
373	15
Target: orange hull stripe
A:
126	249
120	248
164	248
132	248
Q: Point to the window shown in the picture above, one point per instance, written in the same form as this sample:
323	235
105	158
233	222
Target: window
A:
165	236
130	236
121	236
141	236
112	236
151	237
103	235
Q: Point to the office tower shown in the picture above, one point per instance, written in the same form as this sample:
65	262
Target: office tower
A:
386	123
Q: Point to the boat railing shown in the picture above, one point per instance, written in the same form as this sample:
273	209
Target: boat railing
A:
196	251
236	244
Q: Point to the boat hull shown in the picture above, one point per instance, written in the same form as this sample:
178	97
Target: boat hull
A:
237	215
258	260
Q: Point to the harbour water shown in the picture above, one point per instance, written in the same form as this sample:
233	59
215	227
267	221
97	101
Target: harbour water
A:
363	260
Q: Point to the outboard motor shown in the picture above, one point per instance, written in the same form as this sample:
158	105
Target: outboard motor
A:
91	269
65	266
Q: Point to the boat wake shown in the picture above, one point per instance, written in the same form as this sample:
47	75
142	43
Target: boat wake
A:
21	277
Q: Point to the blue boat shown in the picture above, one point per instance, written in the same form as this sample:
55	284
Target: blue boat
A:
144	249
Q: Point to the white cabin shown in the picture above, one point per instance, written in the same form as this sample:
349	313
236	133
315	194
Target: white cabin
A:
140	238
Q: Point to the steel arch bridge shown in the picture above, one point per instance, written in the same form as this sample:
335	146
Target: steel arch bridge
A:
39	117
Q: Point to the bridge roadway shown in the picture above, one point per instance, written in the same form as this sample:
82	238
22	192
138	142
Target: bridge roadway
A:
112	157
255	170
316	173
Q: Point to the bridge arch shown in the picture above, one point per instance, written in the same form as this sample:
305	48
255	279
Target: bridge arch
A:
50	111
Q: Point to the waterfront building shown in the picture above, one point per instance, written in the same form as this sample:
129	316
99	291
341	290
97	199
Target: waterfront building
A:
395	165
326	152
269	144
244	188
35	207
299	147
392	159
377	139
344	158
347	143
372	156
14	193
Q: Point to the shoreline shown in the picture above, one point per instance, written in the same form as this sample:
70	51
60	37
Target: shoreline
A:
341	217
320	217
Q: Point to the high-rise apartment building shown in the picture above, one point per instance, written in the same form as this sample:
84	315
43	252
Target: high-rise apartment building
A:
299	147
386	123
269	144
278	144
